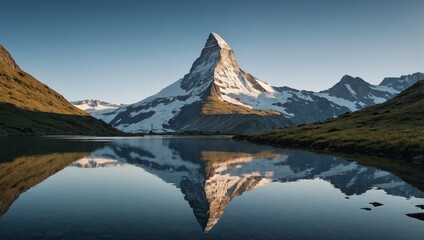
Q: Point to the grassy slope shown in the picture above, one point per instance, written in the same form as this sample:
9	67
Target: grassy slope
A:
16	121
24	91
394	129
28	106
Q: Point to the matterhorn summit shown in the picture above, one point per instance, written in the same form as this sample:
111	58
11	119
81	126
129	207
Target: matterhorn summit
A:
218	96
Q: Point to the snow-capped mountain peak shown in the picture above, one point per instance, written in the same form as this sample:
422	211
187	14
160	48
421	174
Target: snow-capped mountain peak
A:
201	74
210	90
92	105
217	72
402	82
217	95
214	39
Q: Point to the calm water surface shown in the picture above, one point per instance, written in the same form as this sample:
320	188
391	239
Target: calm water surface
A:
195	188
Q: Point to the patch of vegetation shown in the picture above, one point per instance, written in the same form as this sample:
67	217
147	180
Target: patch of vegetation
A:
394	129
16	121
25	92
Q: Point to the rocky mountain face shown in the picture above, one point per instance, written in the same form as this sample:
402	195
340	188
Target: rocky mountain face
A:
212	172
217	95
355	93
199	101
402	82
29	107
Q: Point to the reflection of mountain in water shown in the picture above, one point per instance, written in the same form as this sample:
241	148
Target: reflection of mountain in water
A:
211	172
25	162
89	162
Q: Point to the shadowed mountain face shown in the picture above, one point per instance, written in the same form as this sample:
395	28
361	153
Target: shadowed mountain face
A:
211	172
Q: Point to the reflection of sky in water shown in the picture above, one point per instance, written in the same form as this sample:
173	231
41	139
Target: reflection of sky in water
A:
143	195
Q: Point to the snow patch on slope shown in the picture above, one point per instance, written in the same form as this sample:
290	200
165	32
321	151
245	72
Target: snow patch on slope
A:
349	88
382	88
163	112
339	101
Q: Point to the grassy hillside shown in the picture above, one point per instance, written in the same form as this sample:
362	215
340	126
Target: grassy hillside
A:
394	129
28	106
16	121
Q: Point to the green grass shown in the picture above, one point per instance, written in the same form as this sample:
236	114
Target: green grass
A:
394	129
16	121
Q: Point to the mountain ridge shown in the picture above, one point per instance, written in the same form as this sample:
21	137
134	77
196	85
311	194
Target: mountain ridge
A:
218	96
393	129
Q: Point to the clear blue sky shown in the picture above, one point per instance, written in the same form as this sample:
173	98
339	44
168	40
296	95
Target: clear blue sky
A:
123	51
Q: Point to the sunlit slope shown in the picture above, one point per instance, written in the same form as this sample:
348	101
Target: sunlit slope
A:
30	107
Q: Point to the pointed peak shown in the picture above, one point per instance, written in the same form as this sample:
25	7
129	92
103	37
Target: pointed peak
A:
7	59
216	40
350	79
347	78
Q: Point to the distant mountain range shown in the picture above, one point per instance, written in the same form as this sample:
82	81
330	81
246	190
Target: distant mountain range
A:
93	105
29	107
217	95
394	129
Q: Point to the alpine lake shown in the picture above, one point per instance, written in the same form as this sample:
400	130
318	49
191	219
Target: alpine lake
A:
199	187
